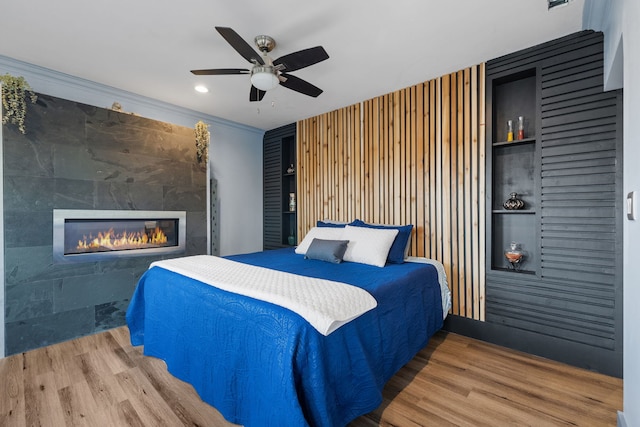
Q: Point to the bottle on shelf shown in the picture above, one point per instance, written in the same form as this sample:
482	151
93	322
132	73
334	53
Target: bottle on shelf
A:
510	130
292	202
520	127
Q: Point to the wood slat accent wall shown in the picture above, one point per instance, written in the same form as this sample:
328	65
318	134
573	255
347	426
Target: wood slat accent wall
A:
414	156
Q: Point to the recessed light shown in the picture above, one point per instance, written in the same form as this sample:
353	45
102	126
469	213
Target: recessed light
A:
202	89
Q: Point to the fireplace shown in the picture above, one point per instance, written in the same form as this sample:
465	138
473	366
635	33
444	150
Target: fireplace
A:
92	235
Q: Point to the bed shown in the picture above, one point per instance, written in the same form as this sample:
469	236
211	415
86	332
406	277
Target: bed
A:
261	364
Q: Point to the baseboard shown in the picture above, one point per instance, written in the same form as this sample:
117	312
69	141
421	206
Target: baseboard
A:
621	420
584	356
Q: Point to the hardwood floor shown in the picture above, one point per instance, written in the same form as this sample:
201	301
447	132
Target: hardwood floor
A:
101	380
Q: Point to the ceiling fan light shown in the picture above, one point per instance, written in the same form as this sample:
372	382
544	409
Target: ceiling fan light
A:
264	78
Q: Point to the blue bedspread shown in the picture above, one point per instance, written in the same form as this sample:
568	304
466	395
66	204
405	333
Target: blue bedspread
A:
262	365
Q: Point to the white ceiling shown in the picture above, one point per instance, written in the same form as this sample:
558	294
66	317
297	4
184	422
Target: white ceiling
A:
148	47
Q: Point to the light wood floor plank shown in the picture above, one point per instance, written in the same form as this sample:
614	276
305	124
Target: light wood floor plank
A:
12	410
101	380
145	399
77	403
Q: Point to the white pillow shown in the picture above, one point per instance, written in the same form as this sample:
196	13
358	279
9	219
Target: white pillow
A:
325	233
368	245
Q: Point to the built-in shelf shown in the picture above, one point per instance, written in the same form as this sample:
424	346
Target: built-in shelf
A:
515	142
513	170
549	306
513	212
511	271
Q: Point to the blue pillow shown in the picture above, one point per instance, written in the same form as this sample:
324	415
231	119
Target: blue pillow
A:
327	250
398	248
330	224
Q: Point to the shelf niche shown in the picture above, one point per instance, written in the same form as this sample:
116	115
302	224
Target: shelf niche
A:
513	96
514	169
288	187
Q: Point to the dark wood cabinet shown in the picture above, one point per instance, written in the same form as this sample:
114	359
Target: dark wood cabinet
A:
279	151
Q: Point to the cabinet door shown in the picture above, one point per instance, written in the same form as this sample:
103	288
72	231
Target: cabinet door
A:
279	155
272	193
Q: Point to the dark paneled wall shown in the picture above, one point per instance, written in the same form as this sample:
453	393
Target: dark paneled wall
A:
571	308
276	220
76	156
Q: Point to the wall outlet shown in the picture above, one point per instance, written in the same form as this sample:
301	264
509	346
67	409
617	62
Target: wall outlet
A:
632	208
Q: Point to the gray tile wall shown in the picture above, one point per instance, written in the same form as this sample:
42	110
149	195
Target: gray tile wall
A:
76	156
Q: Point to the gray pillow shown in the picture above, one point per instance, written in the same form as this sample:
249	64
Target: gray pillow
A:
327	250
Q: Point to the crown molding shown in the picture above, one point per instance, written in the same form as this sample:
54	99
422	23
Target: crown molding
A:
61	85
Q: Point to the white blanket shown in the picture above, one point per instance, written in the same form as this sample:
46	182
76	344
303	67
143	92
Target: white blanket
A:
445	293
325	304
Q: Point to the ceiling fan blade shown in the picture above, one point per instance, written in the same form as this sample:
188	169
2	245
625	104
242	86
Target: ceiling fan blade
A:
295	83
302	58
220	71
241	46
256	94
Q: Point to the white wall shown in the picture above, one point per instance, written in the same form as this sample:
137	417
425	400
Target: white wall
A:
236	163
618	19
2	353
631	366
606	16
235	153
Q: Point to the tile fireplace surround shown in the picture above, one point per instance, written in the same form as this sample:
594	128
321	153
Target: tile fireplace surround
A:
79	157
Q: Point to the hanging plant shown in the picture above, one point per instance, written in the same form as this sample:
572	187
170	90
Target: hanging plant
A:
14	105
202	141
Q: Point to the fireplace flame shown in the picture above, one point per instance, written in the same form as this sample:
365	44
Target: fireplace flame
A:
125	240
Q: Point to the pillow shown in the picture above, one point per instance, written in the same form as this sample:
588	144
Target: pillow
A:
332	223
400	248
326	233
368	245
327	250
329	223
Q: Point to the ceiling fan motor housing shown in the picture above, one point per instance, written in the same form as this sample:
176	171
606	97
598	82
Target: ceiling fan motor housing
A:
265	43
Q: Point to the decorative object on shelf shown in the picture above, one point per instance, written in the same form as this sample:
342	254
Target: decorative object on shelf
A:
202	141
14	104
116	106
510	130
292	202
520	127
514	255
513	202
291	169
292	235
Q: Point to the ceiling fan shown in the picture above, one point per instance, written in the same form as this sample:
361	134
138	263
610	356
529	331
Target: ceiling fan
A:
266	73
